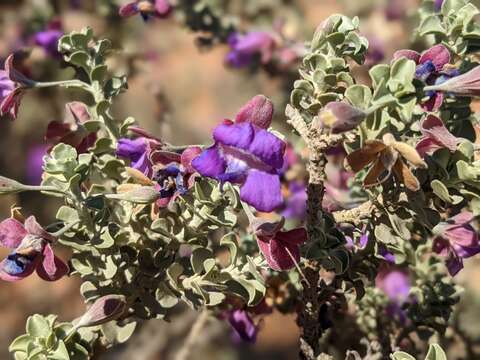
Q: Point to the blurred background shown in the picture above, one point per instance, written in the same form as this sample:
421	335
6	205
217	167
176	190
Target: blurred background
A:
179	93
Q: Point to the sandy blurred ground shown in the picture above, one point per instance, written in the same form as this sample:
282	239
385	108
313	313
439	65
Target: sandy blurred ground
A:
179	94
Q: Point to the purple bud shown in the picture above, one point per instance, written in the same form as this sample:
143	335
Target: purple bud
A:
103	310
129	9
258	111
340	117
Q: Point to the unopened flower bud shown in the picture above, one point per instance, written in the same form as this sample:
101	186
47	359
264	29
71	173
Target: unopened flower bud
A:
103	310
138	195
258	111
340	117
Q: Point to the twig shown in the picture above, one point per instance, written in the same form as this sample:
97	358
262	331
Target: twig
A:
355	215
192	338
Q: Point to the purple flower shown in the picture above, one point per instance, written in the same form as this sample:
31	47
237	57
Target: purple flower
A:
432	69
34	163
146	9
243	326
31	250
48	38
467	84
245	153
337	192
280	248
72	131
174	174
136	151
435	136
394	283
362	241
245	48
456	239
12	85
295	206
140	151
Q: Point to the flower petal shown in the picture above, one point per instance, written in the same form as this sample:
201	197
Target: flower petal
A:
162	7
376	175
129	9
454	264
236	135
12	232
262	191
187	156
434	128
210	163
409	153
34	228
269	148
434	103
426	146
360	158
409	54
293	237
283	256
16	267
52	267
439	55
404	175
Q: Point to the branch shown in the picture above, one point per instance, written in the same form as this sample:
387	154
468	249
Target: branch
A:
186	350
355	215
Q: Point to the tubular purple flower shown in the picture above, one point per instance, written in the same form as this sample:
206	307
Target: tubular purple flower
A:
435	136
104	309
31	250
467	84
432	68
340	117
245	47
243	326
245	153
456	239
